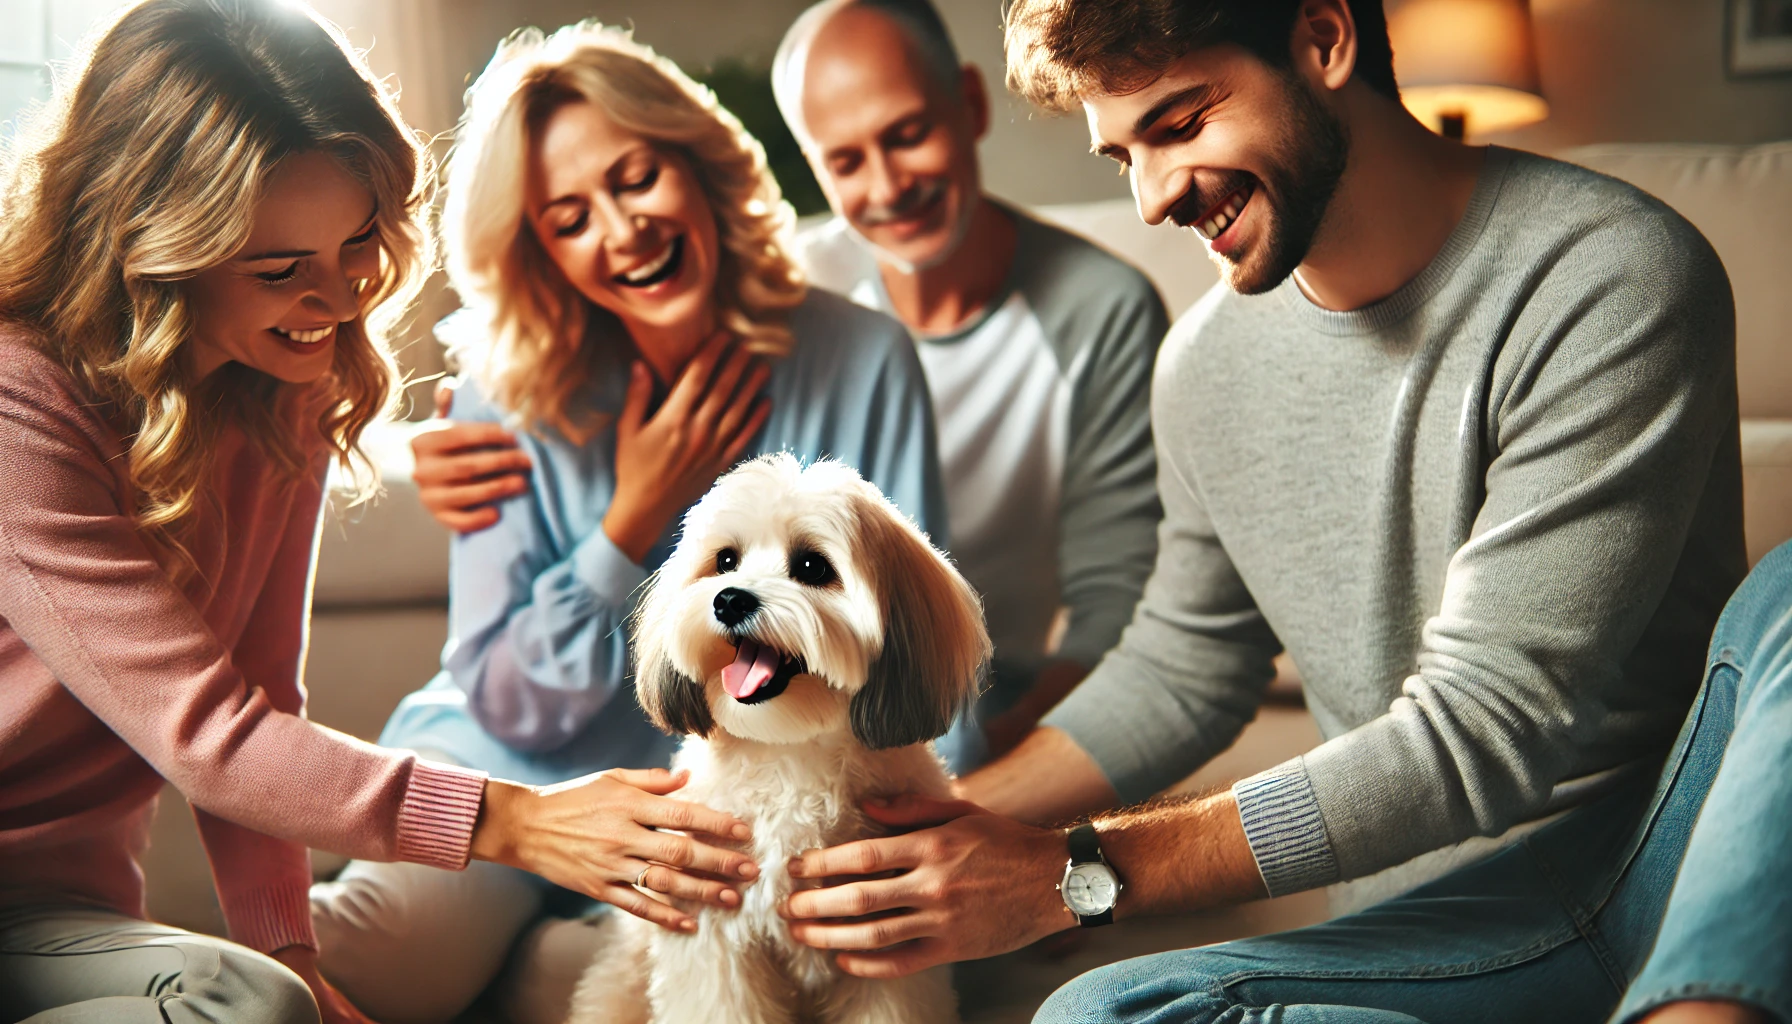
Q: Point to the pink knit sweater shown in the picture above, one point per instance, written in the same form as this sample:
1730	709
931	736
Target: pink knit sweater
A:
113	679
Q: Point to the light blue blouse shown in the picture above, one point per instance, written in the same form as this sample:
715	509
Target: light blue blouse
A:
536	676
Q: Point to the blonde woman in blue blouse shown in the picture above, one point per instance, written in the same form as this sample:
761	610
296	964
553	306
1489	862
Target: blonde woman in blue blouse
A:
634	316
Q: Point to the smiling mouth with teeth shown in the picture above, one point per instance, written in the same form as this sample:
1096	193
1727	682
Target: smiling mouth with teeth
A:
660	268
759	672
1217	220
310	337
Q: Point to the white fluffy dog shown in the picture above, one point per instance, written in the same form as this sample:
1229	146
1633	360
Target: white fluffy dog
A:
810	643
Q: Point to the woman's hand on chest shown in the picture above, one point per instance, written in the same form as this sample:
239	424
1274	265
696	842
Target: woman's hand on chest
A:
666	458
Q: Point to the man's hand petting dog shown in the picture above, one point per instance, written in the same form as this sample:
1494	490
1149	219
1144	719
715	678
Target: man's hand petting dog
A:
606	834
968	884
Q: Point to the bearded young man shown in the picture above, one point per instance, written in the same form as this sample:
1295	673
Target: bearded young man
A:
1460	433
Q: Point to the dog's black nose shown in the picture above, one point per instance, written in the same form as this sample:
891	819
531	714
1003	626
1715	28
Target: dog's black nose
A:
734	605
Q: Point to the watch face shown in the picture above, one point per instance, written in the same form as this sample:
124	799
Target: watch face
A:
1090	889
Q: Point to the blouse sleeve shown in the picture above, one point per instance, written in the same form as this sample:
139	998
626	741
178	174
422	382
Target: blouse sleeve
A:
538	634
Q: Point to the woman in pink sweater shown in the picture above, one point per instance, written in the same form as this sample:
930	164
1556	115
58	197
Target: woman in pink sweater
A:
201	251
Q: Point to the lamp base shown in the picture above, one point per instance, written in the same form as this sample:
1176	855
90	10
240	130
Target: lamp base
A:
1492	109
1453	124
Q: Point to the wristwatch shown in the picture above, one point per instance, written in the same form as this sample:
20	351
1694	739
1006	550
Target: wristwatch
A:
1090	888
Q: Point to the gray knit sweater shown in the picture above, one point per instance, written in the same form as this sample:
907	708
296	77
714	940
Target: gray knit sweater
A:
1492	517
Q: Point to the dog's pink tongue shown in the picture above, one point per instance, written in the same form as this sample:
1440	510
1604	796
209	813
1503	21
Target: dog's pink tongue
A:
753	667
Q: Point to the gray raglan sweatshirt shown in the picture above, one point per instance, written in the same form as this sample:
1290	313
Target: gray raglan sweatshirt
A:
1493	518
1041	402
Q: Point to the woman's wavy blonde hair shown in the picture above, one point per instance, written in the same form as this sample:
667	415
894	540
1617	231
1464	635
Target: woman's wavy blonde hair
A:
146	169
531	355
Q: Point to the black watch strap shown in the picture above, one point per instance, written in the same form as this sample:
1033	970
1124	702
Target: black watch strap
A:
1085	848
1085	845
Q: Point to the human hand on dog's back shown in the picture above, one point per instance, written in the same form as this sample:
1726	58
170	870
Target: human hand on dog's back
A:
666	460
951	884
596	835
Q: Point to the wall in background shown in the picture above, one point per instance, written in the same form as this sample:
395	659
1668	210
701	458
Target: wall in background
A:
437	46
1030	157
1614	70
1646	71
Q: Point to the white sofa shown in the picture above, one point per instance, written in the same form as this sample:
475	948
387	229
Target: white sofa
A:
380	615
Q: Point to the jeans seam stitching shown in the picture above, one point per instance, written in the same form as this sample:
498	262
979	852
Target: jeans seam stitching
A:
1583	920
1555	939
1646	825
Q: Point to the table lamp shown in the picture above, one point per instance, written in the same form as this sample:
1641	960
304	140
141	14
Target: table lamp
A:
1467	64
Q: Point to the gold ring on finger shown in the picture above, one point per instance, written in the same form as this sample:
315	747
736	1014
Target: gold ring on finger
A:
641	879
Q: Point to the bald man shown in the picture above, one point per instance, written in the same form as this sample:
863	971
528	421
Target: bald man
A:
1037	345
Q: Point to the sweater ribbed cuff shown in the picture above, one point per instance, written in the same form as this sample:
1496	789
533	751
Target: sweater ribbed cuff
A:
1285	829
272	918
435	823
602	566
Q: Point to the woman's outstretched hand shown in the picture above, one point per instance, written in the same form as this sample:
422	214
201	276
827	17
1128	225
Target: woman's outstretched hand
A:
600	834
665	461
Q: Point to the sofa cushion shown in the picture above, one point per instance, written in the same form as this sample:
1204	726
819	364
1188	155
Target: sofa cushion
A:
389	551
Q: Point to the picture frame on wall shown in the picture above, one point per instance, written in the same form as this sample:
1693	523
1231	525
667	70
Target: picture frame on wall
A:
1760	37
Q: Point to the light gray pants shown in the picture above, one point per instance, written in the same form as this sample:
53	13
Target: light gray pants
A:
73	964
410	944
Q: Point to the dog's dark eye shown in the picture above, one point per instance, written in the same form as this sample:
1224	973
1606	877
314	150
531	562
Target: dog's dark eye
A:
810	568
727	560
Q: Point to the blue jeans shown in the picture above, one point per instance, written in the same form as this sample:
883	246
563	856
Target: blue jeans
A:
1564	924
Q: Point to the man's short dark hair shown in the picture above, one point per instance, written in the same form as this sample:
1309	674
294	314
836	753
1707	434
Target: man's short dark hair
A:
1060	49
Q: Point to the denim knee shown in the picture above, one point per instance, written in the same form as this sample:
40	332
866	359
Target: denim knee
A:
246	986
1754	624
1136	991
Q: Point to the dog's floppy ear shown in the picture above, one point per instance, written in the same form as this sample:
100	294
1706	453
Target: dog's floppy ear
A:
935	646
674	702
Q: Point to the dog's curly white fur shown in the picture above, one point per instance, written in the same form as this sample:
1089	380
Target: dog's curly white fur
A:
866	644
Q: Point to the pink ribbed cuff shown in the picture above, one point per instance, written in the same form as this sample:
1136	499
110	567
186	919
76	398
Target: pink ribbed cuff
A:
435	823
272	918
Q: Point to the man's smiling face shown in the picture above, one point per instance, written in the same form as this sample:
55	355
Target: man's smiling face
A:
894	148
1243	153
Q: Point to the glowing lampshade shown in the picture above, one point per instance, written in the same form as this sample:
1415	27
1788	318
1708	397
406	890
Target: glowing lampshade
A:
1467	64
